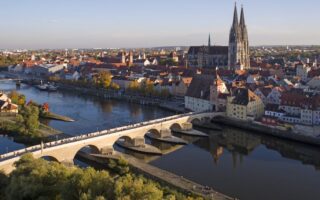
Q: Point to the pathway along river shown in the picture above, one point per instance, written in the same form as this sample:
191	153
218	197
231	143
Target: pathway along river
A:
234	162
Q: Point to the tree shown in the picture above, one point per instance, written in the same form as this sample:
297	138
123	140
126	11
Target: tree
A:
104	79
17	98
36	179
4	181
133	86
149	88
164	93
131	187
45	107
28	120
115	86
88	184
40	179
120	166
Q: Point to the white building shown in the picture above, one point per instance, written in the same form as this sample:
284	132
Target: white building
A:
198	94
302	71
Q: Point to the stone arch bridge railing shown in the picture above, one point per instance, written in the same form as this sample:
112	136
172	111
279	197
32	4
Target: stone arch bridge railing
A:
64	150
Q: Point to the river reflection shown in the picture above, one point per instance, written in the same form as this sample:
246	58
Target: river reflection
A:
90	113
240	143
248	166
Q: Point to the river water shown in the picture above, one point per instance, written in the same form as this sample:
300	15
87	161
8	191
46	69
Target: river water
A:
234	162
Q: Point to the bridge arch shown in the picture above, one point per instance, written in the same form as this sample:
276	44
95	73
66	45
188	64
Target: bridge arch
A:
176	127
195	121
91	149
206	119
125	138
154	131
50	158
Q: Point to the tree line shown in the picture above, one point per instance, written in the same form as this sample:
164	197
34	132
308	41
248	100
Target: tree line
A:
40	179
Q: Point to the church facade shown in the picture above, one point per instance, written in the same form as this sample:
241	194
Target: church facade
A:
234	56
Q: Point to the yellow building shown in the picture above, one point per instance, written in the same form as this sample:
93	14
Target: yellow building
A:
243	104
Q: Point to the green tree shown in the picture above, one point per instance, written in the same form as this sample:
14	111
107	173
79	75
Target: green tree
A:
131	187
88	184
120	166
36	179
28	120
40	179
4	181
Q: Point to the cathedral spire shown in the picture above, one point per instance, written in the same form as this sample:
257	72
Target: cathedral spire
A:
242	21
235	18
209	41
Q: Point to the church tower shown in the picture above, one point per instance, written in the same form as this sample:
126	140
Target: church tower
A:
239	53
233	54
245	51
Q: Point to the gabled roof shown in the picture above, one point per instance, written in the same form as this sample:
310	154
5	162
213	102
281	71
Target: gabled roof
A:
242	96
200	87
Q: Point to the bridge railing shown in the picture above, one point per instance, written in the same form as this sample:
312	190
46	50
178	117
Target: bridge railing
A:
90	135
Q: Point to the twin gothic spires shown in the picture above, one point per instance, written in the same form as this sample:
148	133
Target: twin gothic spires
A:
239	54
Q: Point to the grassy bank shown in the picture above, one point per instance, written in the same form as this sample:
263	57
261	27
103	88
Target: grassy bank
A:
10	126
50	115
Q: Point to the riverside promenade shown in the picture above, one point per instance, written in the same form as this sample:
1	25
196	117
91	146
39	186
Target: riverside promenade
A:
162	176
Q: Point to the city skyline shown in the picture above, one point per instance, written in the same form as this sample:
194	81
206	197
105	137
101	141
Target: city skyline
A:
126	24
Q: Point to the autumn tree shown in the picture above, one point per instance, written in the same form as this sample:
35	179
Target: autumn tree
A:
133	86
17	98
104	79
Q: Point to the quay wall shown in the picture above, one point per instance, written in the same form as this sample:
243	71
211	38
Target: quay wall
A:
268	130
109	94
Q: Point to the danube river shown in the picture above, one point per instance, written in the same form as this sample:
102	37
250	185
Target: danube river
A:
234	162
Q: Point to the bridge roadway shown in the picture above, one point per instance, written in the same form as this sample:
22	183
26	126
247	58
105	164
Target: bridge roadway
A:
101	142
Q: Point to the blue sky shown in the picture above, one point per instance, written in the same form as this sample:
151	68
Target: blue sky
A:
146	23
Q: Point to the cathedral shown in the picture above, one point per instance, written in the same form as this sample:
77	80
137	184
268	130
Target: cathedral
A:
234	56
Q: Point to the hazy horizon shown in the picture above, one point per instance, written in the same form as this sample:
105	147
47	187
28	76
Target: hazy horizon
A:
35	24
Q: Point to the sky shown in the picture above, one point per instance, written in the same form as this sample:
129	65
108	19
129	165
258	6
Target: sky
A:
36	24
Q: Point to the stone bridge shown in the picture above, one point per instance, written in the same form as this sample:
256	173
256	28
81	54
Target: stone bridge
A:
65	150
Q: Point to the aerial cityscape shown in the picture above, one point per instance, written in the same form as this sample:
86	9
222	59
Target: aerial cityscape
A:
159	100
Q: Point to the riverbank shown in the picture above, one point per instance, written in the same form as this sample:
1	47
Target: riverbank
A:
268	130
167	104
8	127
174	106
54	116
163	177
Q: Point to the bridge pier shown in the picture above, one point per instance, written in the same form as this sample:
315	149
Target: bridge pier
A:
107	150
165	133
138	142
187	126
67	163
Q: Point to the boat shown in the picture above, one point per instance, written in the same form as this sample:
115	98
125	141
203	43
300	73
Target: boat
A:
42	87
52	88
18	83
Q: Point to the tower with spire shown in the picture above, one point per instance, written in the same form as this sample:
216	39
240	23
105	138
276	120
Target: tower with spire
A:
238	53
